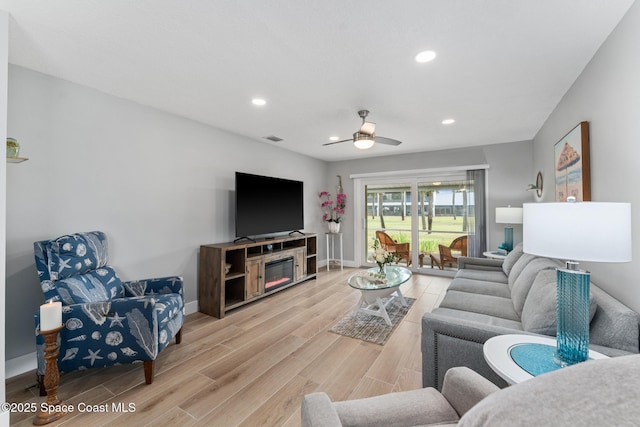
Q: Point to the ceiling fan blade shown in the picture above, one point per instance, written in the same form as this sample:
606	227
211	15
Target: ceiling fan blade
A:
368	128
387	141
338	142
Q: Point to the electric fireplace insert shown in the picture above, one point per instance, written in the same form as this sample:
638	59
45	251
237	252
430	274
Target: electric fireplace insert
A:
278	273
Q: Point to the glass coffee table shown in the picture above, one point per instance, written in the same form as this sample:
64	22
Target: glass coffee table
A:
377	291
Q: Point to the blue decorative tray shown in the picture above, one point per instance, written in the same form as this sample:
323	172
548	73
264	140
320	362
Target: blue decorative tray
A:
536	359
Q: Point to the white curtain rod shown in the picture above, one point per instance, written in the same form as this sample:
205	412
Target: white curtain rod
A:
414	172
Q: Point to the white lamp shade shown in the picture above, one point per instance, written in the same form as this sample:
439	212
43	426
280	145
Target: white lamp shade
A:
509	215
363	143
581	231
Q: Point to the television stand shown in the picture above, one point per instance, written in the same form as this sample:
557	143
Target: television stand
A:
233	274
297	231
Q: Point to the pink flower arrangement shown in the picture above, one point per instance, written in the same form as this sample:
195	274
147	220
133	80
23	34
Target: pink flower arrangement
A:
331	211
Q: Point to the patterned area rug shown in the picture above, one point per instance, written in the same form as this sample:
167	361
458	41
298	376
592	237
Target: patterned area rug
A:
370	328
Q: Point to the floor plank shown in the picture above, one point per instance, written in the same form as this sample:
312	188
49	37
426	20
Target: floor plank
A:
253	367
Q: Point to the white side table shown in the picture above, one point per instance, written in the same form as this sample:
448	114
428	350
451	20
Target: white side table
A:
506	353
494	255
331	249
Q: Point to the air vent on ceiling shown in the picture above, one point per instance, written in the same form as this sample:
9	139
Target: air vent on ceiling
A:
272	138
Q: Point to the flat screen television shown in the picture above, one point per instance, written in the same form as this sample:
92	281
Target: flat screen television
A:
266	205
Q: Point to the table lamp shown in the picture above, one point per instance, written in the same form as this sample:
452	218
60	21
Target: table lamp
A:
576	231
509	216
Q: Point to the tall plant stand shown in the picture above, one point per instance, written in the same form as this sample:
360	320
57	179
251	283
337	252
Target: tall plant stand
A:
51	379
331	249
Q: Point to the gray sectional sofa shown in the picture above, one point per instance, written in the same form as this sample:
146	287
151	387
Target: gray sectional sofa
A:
516	295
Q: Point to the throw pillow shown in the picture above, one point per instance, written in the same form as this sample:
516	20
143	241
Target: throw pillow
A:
539	310
77	254
599	392
518	267
522	285
99	285
511	259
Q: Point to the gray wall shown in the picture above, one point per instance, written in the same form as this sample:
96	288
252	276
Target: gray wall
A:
510	171
4	55
607	95
157	184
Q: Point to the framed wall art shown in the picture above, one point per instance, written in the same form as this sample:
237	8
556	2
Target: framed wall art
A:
571	165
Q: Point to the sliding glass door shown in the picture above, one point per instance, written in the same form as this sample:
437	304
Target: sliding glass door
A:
421	212
446	212
388	211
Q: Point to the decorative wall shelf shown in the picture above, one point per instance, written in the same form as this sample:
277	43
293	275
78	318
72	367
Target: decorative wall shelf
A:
16	159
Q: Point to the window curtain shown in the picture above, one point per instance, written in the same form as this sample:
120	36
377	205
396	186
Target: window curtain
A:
478	241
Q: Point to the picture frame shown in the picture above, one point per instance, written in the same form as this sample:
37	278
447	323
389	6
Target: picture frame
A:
572	165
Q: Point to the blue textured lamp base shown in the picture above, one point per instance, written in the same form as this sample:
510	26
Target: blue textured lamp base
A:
572	310
508	239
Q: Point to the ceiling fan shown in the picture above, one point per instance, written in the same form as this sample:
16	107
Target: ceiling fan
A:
366	137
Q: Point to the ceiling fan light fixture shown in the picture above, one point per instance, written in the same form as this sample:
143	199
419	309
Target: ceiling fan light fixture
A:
365	138
425	56
368	128
363	142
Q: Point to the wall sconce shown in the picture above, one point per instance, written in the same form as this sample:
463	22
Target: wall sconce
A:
537	186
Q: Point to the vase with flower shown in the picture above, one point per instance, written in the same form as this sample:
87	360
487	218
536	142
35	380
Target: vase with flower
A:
332	211
381	257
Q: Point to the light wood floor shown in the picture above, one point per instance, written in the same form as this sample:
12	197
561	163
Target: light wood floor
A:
253	367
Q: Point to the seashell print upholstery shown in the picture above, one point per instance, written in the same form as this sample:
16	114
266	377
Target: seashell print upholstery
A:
107	321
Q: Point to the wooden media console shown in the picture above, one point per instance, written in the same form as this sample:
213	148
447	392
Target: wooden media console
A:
234	274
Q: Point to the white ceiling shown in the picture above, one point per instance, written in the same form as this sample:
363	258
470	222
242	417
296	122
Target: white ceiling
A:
502	65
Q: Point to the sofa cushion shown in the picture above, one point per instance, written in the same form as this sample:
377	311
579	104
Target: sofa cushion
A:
539	310
77	254
594	393
511	258
614	324
483	319
480	287
483	304
517	268
523	283
485	275
409	408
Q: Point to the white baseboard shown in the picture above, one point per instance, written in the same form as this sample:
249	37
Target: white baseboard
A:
29	362
190	307
20	365
322	265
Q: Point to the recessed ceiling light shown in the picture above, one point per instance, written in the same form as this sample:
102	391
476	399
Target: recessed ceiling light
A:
425	56
258	101
448	121
334	138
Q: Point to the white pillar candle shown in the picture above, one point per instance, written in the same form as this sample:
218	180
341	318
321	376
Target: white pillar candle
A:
50	315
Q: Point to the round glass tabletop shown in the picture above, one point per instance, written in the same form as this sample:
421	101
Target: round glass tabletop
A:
370	279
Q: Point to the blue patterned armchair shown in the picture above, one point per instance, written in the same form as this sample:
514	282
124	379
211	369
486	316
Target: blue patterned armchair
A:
106	321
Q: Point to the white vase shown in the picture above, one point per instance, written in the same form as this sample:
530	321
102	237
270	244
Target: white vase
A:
334	227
